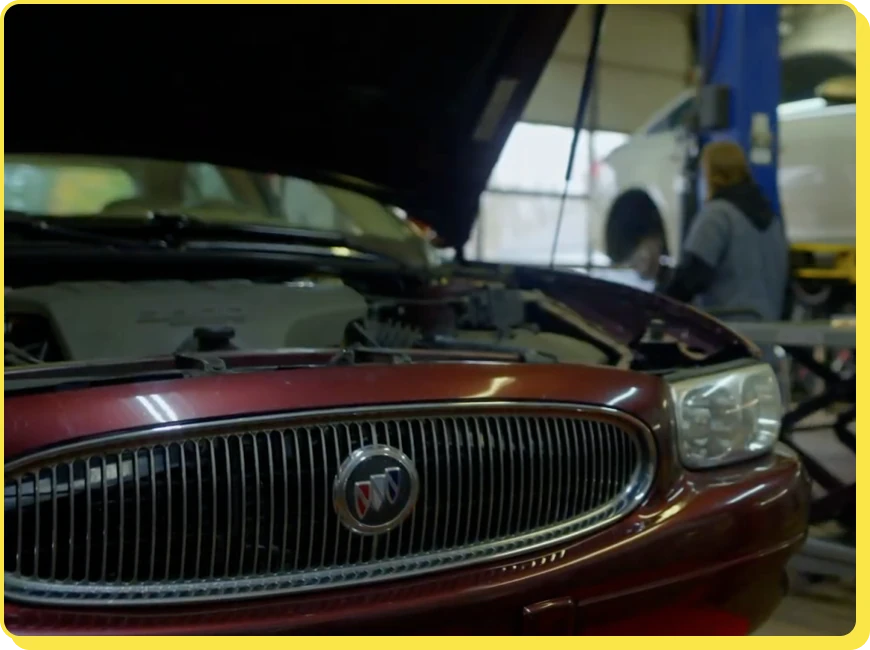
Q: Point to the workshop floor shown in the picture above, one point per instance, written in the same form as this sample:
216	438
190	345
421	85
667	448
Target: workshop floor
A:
821	610
826	608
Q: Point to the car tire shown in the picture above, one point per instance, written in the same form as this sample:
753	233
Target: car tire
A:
632	217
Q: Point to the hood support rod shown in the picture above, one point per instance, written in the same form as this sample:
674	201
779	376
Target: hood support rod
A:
579	118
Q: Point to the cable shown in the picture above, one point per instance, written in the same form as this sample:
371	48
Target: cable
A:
585	92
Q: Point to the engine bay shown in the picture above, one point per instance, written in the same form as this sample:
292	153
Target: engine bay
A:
84	321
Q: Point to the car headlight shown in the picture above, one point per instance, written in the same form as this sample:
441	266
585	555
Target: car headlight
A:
728	416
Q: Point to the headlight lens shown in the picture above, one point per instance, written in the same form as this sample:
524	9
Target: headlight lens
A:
728	416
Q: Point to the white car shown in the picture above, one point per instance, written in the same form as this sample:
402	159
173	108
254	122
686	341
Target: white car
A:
816	165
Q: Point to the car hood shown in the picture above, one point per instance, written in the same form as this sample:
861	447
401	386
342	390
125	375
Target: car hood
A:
411	104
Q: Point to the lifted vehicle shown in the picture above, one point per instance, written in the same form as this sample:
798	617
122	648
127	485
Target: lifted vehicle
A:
253	402
817	157
816	180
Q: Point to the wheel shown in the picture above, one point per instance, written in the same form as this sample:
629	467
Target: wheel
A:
635	233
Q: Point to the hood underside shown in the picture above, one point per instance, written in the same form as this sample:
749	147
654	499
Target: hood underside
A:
411	104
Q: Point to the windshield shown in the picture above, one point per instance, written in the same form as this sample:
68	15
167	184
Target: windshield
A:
61	186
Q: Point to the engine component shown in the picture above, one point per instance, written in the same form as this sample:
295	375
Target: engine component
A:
556	347
90	320
492	317
210	339
29	339
498	308
385	334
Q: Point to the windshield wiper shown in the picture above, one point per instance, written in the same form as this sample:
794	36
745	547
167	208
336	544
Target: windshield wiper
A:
181	224
188	229
163	230
29	227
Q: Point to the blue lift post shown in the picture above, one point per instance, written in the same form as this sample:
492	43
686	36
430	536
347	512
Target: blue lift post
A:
739	54
739	50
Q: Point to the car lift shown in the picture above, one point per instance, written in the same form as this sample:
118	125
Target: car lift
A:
738	47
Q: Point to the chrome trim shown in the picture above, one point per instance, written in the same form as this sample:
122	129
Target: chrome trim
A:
66	592
203	427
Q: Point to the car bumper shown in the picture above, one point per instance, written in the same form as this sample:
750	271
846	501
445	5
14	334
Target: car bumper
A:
707	557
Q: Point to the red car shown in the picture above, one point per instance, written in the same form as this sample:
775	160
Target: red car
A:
236	404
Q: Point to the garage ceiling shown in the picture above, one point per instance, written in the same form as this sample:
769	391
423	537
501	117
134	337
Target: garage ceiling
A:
645	59
644	62
817	27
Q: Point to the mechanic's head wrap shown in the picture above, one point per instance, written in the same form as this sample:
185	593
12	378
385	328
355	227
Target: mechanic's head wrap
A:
724	165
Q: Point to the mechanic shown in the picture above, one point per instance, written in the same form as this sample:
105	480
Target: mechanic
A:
635	235
734	261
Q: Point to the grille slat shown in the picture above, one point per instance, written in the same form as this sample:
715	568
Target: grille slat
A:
89	510
347	435
387	539
448	482
214	505
37	499
243	503
168	470
559	490
567	491
457	512
437	510
502	470
121	517
469	456
200	500
597	462
576	451
229	537
491	484
477	436
536	474
53	573
605	467
19	505
257	521
324	499
516	475
424	515
400	436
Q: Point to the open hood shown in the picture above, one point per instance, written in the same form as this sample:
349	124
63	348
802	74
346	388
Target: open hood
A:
411	104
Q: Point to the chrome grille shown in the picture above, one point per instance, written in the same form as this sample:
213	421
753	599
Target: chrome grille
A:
246	509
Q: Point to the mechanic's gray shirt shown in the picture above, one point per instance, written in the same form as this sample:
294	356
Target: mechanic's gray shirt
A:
751	265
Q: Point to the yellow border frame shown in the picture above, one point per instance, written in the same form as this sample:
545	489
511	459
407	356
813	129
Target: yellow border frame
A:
857	638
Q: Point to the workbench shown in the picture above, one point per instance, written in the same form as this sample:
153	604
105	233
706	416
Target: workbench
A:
806	334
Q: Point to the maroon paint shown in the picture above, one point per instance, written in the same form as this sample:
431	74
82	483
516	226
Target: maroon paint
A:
705	549
40	420
710	551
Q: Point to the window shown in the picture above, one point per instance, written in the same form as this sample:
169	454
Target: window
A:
305	204
63	190
60	185
535	158
519	212
205	182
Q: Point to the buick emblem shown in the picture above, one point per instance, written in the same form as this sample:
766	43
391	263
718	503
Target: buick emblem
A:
375	489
